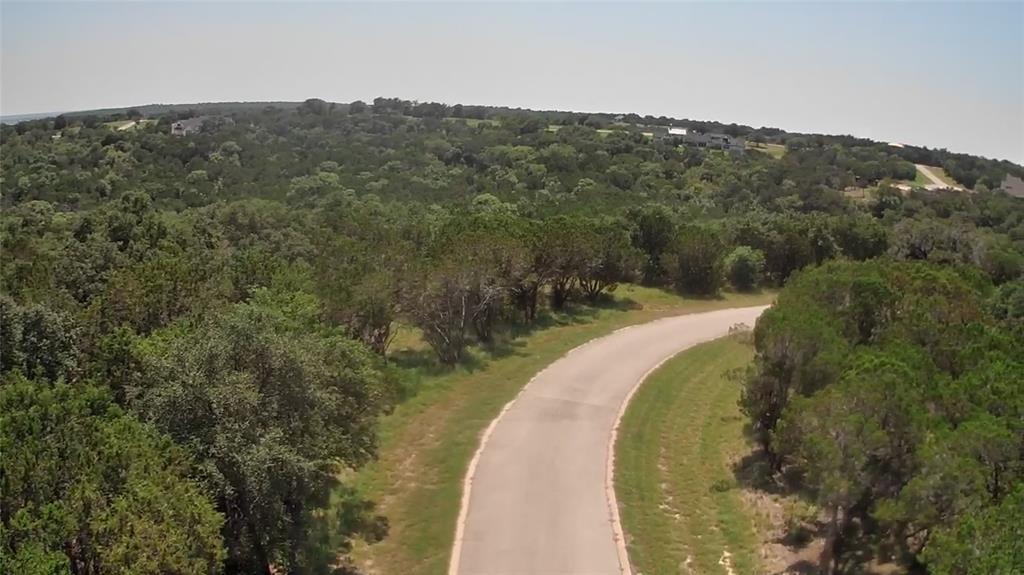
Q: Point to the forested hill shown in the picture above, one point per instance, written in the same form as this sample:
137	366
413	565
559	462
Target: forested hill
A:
434	152
194	328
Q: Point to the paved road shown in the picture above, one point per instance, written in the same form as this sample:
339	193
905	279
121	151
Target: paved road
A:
538	502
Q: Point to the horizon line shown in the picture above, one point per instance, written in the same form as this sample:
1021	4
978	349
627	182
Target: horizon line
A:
53	114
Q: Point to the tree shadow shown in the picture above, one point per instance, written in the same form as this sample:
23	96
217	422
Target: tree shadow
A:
801	567
508	340
608	301
504	345
571	314
801	537
756	291
423	361
868	549
471	362
754	471
720	296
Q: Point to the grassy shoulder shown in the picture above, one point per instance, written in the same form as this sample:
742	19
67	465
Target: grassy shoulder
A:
920	180
427	442
941	174
680	508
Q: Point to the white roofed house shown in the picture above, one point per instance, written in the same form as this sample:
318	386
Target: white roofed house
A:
708	140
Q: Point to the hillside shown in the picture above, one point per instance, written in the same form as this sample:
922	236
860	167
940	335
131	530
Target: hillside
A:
964	169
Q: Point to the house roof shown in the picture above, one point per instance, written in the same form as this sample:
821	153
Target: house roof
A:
189	123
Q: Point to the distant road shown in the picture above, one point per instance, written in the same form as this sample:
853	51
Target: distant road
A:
935	180
540	494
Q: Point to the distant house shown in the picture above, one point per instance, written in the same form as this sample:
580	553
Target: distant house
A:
707	140
187	127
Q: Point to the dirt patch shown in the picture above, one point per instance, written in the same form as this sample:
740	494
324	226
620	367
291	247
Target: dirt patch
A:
781	553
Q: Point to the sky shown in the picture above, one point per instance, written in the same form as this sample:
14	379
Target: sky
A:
945	75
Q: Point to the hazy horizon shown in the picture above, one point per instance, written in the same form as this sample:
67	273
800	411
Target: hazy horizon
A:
937	75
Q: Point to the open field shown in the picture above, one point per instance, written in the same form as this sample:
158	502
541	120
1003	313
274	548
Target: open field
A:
774	150
602	131
121	125
426	444
681	510
921	181
918	183
942	175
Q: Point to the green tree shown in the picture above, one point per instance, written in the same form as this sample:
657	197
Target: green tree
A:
562	251
270	406
852	439
798	353
860	237
695	260
885	386
37	342
527	280
998	257
1008	302
608	259
988	541
314	106
744	267
89	489
653	230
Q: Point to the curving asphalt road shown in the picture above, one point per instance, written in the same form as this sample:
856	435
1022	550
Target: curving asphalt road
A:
537	498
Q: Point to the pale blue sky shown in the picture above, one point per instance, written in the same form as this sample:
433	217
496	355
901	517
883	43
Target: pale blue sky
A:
942	75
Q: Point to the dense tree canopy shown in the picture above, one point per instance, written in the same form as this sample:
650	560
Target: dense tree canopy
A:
89	489
269	409
897	394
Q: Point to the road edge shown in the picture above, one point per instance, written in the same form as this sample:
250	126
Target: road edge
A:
625	567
